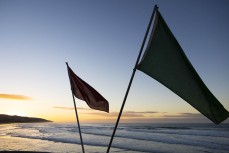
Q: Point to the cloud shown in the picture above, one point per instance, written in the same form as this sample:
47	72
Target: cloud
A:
191	115
111	114
14	97
129	114
141	112
65	108
185	115
138	113
135	114
70	108
149	114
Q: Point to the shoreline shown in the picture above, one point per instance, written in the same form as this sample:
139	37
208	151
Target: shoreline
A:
24	151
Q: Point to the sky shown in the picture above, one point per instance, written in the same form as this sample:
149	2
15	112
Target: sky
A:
100	40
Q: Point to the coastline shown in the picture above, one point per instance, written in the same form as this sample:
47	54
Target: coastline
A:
24	151
9	119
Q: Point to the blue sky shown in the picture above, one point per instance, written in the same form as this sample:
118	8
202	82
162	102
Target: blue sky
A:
100	40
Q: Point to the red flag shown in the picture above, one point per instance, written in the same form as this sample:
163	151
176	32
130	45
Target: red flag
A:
85	92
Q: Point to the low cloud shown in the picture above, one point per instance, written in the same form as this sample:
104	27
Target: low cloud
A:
138	114
148	114
65	108
135	114
141	112
70	108
128	114
14	97
111	114
142	116
185	115
191	115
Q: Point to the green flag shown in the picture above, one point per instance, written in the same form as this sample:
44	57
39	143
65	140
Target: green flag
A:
165	61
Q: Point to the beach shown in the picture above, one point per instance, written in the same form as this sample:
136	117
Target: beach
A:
155	138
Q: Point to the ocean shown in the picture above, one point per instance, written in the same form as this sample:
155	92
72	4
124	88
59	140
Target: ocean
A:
129	138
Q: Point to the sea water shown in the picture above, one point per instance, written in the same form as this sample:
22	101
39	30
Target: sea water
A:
136	138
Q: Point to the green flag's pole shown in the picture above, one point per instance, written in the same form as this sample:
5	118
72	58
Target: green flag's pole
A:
132	77
77	118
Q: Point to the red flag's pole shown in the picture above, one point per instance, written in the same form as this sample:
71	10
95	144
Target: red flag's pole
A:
77	118
132	77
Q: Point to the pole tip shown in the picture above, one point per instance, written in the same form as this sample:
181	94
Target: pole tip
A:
66	63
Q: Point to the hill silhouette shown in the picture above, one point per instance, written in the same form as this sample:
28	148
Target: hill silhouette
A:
19	119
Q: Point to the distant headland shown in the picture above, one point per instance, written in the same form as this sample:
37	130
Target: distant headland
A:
4	119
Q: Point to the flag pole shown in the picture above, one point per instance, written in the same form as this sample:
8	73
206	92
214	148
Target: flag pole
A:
77	118
132	76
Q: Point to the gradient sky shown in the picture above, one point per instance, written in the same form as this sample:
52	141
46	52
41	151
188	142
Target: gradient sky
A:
100	40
